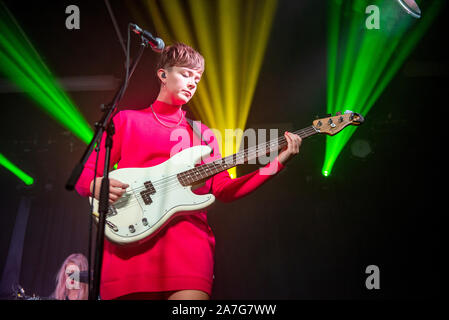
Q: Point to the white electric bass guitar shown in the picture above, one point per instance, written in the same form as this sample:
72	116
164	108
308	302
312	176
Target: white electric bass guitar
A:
157	194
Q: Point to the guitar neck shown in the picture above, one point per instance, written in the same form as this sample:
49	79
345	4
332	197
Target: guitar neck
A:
205	171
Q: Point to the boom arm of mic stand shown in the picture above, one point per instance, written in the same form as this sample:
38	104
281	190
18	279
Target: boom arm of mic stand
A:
104	125
101	125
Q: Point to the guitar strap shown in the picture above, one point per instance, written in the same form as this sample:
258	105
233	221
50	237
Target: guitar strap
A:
197	131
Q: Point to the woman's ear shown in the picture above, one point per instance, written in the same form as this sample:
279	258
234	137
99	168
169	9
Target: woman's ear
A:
162	75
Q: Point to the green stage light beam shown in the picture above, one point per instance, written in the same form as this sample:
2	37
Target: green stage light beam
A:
361	61
23	66
15	170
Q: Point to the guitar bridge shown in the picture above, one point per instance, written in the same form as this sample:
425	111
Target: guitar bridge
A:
112	211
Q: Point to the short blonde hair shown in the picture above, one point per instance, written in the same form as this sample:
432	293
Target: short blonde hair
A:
180	55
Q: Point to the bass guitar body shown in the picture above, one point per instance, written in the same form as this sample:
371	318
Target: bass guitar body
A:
155	195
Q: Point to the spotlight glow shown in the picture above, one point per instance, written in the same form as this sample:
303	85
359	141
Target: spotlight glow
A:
15	170
23	66
361	61
232	36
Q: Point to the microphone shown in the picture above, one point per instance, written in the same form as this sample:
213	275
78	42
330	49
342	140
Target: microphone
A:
157	44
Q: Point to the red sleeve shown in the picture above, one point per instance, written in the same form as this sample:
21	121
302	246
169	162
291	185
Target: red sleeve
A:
83	184
227	189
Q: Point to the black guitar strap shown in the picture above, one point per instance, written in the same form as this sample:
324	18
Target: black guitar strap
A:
198	132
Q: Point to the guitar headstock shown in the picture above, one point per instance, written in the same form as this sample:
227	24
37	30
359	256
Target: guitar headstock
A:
333	125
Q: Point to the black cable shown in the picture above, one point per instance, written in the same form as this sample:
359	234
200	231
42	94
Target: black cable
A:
97	149
89	253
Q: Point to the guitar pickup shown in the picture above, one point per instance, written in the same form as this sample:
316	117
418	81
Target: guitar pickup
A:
146	194
149	187
146	197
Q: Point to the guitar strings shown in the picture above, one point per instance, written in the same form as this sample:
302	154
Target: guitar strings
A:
250	152
166	184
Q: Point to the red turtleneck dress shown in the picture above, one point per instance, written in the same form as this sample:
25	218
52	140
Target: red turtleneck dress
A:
181	255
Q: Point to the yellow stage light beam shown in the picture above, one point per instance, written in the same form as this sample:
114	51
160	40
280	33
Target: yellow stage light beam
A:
232	35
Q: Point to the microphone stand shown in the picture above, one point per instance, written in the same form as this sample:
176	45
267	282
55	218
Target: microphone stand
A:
104	125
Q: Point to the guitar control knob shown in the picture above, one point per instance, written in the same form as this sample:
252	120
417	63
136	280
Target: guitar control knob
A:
145	221
132	229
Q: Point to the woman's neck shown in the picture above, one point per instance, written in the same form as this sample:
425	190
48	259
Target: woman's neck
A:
167	98
162	107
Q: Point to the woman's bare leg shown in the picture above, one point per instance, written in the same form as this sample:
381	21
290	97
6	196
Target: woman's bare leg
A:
188	295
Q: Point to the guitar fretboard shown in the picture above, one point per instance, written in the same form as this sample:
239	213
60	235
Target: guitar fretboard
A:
208	170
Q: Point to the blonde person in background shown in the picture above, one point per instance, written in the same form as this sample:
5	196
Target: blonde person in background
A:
69	288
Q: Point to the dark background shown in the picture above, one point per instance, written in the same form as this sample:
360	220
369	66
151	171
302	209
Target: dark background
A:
301	236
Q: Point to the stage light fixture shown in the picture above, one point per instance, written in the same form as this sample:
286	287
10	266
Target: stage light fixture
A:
411	8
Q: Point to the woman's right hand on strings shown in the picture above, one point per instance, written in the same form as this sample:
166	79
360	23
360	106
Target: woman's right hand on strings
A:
116	189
